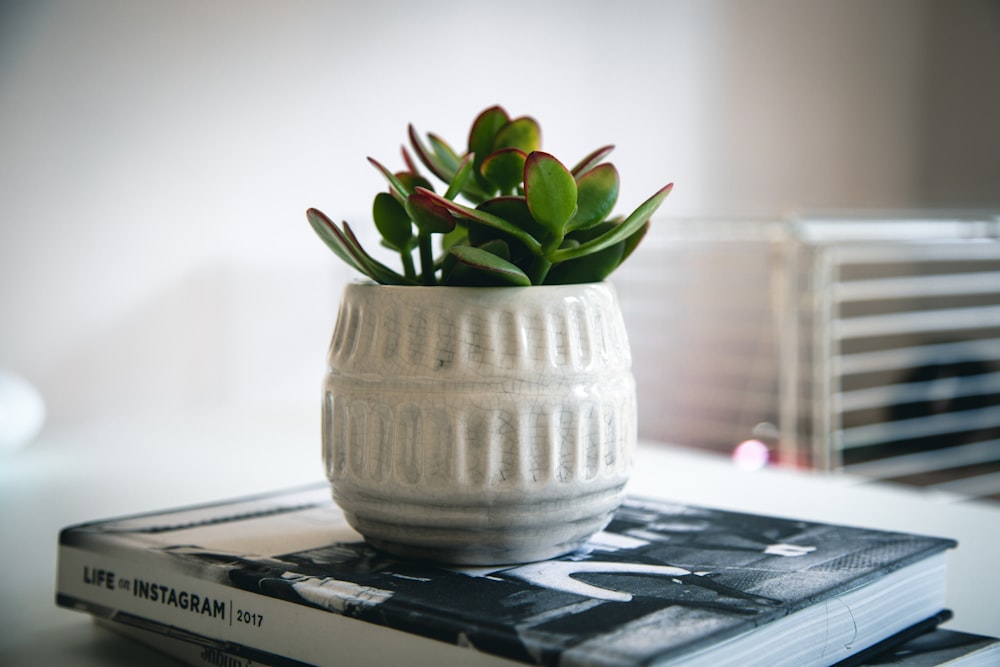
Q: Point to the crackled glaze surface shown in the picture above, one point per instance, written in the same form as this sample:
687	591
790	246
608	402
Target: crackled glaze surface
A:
476	425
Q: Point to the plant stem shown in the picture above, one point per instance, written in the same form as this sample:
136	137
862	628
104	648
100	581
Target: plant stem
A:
541	264
408	269
426	259
539	269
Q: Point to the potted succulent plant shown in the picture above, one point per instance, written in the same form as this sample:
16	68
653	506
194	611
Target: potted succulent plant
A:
479	406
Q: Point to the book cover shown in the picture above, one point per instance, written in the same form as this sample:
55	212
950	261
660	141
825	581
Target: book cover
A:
943	647
927	647
282	579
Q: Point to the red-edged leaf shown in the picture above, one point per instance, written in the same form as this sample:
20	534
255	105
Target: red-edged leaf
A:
522	133
481	136
597	192
374	268
392	221
489	220
346	246
461	178
504	168
591	161
410	164
627	228
487	268
398	187
429	215
551	192
430	160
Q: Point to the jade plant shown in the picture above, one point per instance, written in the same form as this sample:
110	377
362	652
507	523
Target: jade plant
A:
508	213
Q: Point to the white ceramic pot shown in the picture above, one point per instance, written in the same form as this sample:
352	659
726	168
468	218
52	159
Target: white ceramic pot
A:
479	425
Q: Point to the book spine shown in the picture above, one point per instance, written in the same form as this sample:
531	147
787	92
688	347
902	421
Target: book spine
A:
266	629
187	650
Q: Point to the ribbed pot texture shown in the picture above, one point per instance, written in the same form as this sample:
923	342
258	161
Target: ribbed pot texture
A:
479	425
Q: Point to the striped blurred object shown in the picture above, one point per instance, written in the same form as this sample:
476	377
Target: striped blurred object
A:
849	343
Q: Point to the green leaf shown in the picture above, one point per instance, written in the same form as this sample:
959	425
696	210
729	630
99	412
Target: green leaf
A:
482	135
333	238
515	211
522	133
457	236
504	168
372	267
597	192
594	267
461	178
410	164
346	246
482	217
498	248
432	161
397	185
479	267
445	154
428	214
590	269
392	221
485	128
627	228
410	181
591	161
550	191
632	242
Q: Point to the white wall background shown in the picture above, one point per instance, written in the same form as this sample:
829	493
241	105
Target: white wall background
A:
156	158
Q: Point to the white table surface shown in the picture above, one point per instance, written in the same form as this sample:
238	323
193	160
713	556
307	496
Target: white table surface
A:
151	462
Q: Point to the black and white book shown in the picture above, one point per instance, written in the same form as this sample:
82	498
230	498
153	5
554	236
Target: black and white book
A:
940	647
281	579
923	645
943	647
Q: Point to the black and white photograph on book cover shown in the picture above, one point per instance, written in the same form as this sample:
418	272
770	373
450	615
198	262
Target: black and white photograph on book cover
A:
661	582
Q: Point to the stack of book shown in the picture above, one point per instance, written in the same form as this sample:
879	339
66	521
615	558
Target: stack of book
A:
281	579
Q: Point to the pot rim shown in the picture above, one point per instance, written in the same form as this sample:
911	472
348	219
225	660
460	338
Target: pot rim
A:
363	283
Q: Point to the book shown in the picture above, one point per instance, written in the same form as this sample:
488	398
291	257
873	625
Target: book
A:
943	647
922	645
893	642
281	579
925	644
938	647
